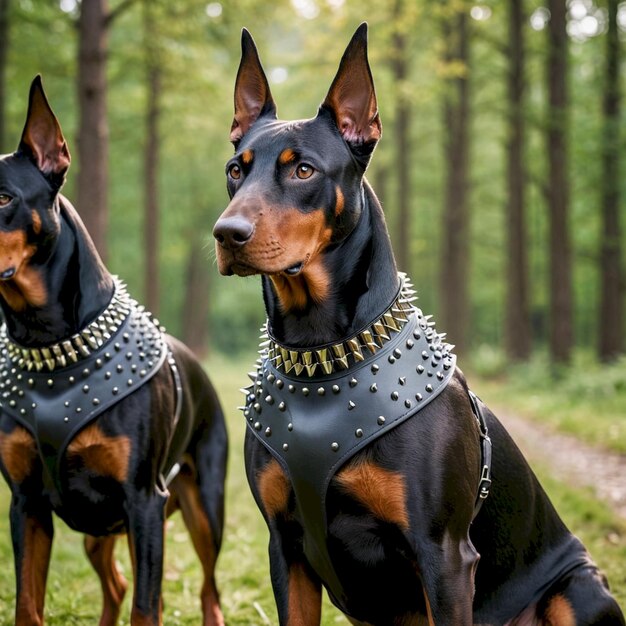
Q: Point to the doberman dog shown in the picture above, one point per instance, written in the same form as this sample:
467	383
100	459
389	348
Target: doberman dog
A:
365	450
80	434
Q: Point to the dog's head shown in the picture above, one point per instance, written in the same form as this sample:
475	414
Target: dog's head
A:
295	187
30	180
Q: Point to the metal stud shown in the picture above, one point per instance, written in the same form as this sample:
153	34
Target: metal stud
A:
419	369
66	403
268	432
334	446
119	368
95	402
407	404
320	391
358	432
305	391
394	395
409	344
351	405
285	447
85	388
257	426
353	382
50	382
129	382
397	353
282	406
336	389
115	390
391	359
375	369
66	419
402	380
77	409
279	383
269	399
271	378
418	397
380	420
425	355
292	389
373	388
23	411
257	407
440	375
290	427
107	375
429	388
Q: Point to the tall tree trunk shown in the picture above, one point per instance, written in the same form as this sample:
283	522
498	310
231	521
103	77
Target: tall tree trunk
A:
517	322
455	233
561	331
195	316
4	49
151	161
402	131
93	133
611	320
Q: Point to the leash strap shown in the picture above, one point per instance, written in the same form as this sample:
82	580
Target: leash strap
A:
484	486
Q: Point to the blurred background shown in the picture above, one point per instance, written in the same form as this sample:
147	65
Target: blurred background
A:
499	168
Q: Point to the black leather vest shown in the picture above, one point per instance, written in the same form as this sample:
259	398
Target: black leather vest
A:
313	425
55	405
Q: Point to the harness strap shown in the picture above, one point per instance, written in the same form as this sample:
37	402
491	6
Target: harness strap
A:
484	486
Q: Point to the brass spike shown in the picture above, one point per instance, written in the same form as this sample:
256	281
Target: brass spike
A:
278	360
322	356
252	376
355	348
343	361
298	367
390	322
90	339
39	365
36	355
50	364
310	369
288	366
294	356
285	354
307	358
327	366
380	331
338	350
80	344
368	340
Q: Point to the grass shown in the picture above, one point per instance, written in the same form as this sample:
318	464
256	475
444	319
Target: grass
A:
73	597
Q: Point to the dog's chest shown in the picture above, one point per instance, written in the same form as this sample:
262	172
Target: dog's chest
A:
313	426
57	406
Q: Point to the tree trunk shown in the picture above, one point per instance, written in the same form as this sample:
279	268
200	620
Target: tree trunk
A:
611	320
455	233
517	322
151	162
195	315
4	49
402	132
560	332
93	133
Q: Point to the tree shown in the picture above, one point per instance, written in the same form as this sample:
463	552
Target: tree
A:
4	48
402	135
455	233
517	321
151	157
560	281
94	21
611	310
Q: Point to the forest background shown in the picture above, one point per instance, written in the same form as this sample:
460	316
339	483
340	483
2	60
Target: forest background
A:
499	168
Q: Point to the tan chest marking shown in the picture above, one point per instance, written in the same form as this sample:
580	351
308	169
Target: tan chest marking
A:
381	491
107	456
18	451
274	488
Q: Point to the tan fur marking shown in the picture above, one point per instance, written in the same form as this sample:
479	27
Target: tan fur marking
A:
339	205
18	451
305	598
559	612
108	456
286	156
36	222
34	571
381	491
247	156
274	488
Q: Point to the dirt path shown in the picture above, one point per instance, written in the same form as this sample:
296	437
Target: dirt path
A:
571	460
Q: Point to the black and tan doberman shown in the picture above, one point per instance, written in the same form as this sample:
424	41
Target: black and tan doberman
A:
80	432
366	452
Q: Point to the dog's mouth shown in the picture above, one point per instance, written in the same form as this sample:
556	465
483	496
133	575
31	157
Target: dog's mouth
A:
295	269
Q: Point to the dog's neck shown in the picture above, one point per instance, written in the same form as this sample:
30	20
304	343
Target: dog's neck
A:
73	282
363	283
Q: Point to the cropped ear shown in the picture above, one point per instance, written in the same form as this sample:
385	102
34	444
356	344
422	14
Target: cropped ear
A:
42	138
252	91
352	100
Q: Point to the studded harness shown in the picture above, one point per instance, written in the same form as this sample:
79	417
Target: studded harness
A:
55	391
314	409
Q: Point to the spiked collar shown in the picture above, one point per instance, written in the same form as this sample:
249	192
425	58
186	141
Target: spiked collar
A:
336	357
77	347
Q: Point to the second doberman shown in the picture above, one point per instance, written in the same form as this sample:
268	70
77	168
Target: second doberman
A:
365	450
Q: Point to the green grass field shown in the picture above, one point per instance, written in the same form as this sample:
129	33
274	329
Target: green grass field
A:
73	597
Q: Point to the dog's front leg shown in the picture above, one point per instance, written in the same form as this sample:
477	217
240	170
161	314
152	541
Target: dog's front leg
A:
146	527
297	589
31	532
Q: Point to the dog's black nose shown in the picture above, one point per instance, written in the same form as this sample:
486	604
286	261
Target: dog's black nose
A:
233	232
7	274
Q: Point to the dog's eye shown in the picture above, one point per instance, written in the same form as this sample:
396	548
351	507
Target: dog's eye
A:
4	199
304	170
234	171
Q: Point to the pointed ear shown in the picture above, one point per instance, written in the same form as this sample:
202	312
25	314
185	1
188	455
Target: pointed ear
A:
351	98
42	138
252	91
